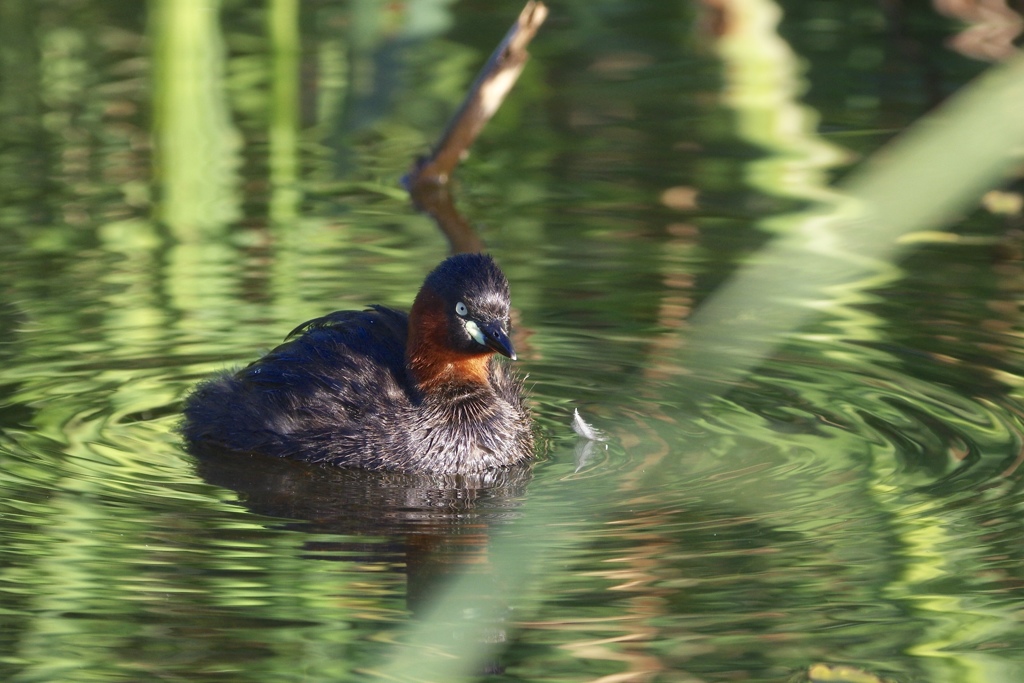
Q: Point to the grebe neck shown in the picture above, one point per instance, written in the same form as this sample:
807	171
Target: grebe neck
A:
431	358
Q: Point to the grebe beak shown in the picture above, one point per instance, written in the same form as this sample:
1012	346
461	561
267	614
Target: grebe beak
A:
495	338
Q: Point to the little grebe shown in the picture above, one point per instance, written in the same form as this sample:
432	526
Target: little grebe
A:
380	389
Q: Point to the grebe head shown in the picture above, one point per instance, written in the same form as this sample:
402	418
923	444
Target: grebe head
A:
460	316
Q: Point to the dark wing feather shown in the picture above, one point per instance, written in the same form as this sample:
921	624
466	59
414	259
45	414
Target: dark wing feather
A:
318	388
338	319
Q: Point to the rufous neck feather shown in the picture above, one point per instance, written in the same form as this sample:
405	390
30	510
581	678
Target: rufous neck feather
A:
429	353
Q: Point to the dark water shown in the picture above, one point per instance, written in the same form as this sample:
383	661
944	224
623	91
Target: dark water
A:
181	183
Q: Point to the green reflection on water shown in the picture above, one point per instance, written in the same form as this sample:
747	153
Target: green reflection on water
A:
282	21
196	144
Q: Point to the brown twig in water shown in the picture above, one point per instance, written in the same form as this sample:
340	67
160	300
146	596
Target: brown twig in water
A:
436	200
486	94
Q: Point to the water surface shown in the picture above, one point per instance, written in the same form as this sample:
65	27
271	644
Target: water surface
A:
181	183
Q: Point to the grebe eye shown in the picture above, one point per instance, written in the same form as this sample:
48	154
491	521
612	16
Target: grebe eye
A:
461	309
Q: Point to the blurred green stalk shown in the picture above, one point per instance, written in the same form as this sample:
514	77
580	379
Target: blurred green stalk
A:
926	178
